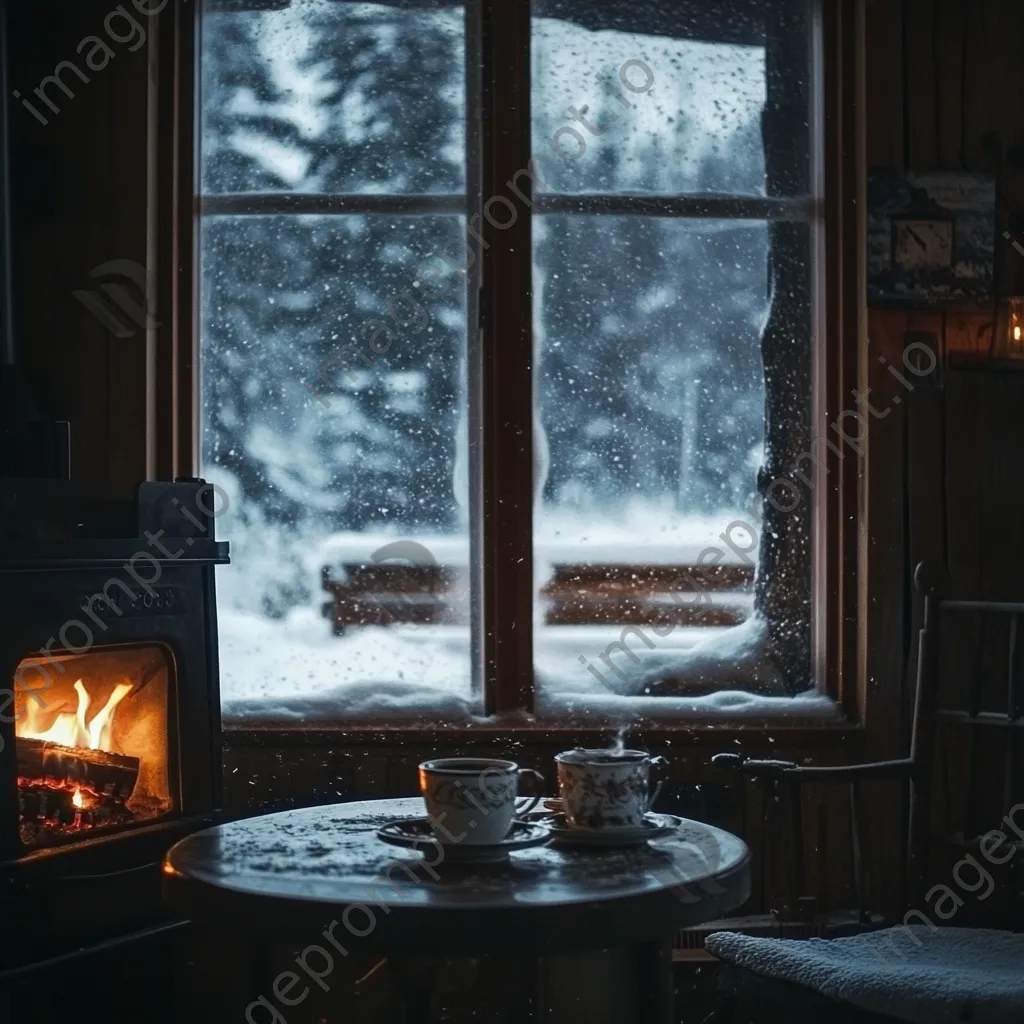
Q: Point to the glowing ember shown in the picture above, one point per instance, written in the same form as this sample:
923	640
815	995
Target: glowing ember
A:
76	799
70	729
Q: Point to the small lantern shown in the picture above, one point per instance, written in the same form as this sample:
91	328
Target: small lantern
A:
1009	340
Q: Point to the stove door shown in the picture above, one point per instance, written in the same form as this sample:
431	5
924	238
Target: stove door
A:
93	743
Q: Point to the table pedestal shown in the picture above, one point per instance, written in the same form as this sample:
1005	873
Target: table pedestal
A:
622	985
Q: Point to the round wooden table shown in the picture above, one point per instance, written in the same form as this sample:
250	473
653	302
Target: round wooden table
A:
597	924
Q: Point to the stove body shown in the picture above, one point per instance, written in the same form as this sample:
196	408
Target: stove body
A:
109	709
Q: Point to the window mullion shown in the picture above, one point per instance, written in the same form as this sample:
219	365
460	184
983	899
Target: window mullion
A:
506	361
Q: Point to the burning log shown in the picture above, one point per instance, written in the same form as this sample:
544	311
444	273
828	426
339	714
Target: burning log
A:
111	774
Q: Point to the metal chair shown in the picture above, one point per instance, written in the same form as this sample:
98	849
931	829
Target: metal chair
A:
966	694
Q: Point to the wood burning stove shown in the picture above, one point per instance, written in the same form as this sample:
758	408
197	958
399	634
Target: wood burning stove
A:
110	716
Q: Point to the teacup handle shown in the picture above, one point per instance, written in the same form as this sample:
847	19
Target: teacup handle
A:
531	801
660	785
655	793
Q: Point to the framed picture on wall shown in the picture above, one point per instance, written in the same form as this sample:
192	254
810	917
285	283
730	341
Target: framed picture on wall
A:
930	237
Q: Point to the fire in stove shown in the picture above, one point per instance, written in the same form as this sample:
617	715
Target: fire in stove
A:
92	753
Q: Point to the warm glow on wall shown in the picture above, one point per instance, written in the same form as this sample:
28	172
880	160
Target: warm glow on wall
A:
1009	340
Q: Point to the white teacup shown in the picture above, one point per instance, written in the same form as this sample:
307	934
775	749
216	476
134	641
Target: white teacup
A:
605	789
472	800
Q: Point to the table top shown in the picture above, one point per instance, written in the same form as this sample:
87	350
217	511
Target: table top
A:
290	873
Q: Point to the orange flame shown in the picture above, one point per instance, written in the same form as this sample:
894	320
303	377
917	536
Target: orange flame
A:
70	729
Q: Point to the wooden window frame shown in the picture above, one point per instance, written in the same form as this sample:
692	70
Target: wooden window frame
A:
500	373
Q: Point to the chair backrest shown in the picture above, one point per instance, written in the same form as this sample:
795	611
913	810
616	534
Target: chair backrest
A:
964	769
967	776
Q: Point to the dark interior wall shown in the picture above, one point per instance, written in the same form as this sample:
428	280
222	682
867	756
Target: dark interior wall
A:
945	83
945	90
79	200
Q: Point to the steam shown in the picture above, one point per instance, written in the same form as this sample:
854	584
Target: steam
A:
619	743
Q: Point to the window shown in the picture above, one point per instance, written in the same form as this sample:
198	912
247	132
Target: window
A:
502	313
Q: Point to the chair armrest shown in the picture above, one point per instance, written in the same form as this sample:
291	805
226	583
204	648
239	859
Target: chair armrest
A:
788	771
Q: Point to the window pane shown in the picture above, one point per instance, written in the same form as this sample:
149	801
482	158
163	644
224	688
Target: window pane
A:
328	96
331	390
652	408
668	96
650	379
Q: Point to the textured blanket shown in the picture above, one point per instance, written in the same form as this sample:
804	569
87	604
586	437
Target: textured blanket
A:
914	973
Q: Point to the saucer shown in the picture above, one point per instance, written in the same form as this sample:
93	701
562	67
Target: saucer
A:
655	826
416	834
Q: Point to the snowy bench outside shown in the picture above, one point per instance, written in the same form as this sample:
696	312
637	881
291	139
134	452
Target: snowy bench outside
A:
378	594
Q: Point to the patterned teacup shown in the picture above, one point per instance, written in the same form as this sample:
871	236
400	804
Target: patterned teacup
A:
605	789
472	800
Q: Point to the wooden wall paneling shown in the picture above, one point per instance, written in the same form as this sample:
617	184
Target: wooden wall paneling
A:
79	188
962	635
885	476
832	847
369	778
925	411
121	180
986	555
816	875
925	476
978	109
964	451
885	599
1009	261
745	812
403	776
1001	550
841	832
996	117
969	336
64	351
835	815
949	50
723	802
755	824
1000	483
884	83
331	775
921	83
266	778
763	822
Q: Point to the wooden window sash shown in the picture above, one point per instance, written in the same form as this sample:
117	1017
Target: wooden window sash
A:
172	378
694	206
258	204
